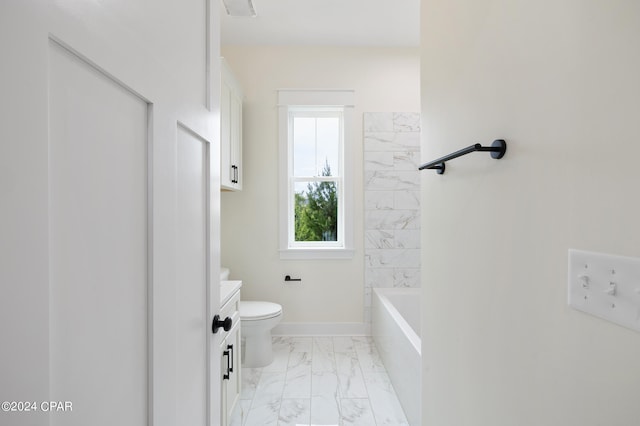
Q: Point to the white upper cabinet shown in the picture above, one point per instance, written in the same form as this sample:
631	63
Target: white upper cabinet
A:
230	131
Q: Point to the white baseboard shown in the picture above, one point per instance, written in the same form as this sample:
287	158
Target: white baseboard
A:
322	329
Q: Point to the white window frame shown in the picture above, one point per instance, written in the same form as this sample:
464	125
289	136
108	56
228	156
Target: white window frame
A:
337	178
294	102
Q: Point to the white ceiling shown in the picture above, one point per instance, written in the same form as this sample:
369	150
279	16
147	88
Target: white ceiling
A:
326	22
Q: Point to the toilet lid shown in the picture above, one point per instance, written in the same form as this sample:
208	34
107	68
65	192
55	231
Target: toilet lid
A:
254	310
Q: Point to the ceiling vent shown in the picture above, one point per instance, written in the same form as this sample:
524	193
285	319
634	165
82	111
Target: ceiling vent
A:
240	8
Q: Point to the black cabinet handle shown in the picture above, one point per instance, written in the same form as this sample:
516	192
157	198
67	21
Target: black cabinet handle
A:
226	376
234	174
230	347
217	323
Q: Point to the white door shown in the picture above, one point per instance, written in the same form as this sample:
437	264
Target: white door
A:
192	278
108	236
99	246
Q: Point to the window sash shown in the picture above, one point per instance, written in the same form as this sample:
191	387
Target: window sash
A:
340	239
317	112
336	176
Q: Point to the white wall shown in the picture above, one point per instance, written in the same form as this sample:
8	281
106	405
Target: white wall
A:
559	81
384	80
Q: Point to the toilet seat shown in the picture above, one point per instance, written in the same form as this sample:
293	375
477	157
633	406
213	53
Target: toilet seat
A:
256	310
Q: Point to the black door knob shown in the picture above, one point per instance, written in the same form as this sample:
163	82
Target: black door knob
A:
217	323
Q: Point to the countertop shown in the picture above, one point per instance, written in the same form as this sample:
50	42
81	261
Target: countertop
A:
227	289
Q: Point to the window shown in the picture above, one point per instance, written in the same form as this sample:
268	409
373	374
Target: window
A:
315	184
315	177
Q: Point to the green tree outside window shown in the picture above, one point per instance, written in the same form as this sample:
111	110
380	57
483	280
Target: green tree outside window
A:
316	211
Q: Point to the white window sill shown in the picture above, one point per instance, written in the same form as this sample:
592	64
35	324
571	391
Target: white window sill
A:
316	253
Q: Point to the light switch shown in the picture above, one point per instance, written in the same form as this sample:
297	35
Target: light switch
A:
584	280
611	290
606	286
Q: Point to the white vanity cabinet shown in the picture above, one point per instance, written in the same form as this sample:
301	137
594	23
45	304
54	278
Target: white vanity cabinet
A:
230	350
230	130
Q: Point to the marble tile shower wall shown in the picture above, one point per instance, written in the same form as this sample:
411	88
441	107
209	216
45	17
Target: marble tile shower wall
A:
392	201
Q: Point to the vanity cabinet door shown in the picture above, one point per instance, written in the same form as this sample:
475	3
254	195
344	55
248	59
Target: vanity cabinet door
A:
230	360
232	390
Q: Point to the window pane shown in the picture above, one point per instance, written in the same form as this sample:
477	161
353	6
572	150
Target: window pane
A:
316	211
304	146
328	132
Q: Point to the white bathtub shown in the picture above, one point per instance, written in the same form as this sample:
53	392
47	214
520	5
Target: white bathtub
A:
395	322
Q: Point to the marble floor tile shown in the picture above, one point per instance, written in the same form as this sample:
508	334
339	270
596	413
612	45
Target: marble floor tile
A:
298	378
279	342
319	381
343	344
324	383
265	406
250	379
386	407
294	412
269	390
281	352
266	415
323	358
369	358
350	381
356	412
240	413
325	410
301	344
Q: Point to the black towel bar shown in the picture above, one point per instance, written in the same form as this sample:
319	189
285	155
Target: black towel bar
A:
497	150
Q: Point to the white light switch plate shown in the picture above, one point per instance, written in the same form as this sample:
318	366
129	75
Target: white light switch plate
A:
606	286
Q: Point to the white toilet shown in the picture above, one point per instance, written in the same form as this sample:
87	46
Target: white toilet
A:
257	319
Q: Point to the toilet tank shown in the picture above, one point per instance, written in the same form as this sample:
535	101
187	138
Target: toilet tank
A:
224	274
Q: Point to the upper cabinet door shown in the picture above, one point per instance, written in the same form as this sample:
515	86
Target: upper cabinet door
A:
230	131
